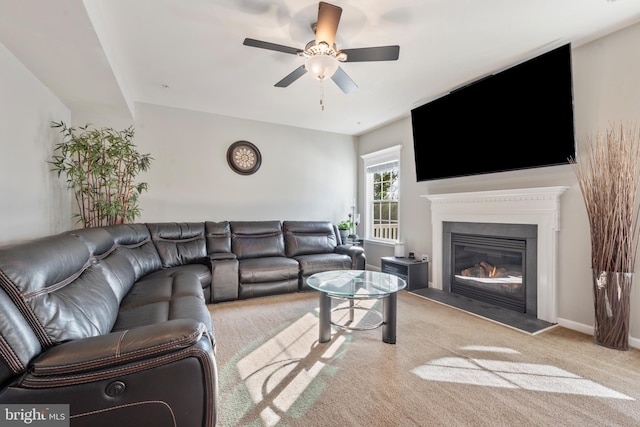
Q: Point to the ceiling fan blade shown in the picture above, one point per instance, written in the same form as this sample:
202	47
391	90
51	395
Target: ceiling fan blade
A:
292	77
343	81
380	53
328	20
271	46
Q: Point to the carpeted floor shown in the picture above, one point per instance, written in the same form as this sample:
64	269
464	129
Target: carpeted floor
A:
448	368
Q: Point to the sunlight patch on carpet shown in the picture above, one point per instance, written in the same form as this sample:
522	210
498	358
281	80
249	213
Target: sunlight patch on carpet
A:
516	375
278	372
491	349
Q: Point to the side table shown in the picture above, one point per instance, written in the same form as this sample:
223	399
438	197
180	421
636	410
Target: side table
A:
414	272
354	242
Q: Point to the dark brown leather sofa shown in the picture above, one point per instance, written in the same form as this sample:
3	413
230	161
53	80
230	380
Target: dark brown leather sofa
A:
115	321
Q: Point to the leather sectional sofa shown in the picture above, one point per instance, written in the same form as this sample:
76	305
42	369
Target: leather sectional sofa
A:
115	321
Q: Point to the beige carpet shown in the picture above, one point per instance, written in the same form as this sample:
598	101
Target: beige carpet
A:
448	368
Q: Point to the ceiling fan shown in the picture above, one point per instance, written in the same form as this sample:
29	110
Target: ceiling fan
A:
322	57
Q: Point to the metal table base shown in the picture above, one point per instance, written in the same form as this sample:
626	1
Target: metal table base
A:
388	323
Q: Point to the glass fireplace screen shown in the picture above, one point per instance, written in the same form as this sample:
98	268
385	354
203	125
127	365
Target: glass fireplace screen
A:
489	269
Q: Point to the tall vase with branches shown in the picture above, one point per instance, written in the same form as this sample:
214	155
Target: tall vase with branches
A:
100	165
608	173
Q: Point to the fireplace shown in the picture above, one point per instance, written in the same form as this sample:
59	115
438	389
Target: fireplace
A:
539	207
493	263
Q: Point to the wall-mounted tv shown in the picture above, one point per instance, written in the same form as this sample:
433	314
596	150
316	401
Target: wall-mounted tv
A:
518	118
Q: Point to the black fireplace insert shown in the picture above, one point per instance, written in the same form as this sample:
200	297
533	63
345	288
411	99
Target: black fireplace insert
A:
493	263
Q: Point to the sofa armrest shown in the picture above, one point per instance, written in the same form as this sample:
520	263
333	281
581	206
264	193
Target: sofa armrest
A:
118	348
162	374
224	279
219	256
358	259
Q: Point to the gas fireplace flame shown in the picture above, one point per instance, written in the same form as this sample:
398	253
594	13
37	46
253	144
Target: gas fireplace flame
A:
487	270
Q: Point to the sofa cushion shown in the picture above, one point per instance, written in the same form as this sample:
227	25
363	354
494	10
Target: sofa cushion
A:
65	293
309	237
99	241
201	271
179	243
257	239
268	269
134	242
218	237
161	298
311	264
103	250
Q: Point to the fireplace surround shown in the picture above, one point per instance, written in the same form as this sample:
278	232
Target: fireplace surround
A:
534	206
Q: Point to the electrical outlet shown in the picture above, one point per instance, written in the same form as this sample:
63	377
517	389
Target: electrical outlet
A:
425	257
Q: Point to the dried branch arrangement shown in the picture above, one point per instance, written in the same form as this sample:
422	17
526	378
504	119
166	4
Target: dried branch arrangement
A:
609	175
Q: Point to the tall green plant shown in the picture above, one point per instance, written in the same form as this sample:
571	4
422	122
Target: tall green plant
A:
100	166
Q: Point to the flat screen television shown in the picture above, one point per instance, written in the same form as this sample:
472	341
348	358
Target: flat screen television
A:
518	118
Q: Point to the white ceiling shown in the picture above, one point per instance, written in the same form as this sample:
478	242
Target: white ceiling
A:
103	56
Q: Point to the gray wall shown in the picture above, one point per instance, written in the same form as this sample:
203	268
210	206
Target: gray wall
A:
304	174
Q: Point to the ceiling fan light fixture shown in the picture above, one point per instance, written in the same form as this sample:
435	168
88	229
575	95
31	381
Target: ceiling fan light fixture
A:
322	58
321	66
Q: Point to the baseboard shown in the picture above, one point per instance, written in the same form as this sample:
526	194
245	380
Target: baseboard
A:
371	267
575	326
588	329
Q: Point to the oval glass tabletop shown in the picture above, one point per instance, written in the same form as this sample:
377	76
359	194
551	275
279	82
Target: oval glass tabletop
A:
356	283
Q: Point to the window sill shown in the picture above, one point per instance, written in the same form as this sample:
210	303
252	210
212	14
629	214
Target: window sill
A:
387	243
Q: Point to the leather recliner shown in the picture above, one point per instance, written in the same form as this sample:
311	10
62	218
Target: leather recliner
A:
82	324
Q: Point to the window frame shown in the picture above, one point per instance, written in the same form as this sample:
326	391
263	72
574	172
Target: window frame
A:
387	155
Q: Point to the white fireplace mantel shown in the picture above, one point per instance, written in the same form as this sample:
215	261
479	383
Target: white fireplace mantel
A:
539	206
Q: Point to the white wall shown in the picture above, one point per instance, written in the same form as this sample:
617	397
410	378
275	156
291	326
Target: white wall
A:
34	202
605	89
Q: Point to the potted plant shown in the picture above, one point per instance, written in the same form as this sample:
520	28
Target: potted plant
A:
344	227
100	166
609	175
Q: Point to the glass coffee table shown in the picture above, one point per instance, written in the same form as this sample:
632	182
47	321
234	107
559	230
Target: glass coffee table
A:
352	285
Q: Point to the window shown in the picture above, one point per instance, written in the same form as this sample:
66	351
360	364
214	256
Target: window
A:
382	197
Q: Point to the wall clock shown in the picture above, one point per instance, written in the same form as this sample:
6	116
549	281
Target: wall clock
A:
244	157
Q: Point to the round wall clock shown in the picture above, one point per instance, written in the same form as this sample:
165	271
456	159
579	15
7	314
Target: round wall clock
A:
244	157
